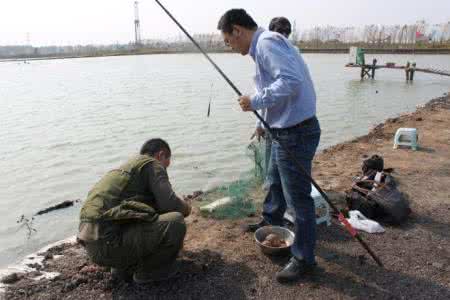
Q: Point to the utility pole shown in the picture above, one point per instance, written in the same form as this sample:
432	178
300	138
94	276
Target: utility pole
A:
28	39
137	27
294	36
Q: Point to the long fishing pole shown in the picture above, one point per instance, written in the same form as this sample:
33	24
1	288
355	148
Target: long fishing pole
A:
210	99
341	217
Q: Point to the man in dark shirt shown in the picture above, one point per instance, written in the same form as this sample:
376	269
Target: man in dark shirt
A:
132	220
281	25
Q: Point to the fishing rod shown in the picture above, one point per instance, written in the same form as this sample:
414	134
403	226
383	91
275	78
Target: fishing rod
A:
209	104
341	217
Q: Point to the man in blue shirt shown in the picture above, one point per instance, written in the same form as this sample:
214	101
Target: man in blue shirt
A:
286	99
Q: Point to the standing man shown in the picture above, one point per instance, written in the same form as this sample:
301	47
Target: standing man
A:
281	25
287	101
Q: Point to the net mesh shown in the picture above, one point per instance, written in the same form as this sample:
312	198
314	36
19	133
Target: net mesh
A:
244	191
256	150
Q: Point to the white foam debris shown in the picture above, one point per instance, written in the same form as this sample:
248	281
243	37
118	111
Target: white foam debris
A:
47	275
28	263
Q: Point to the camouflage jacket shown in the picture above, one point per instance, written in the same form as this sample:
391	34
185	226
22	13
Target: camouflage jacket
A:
137	191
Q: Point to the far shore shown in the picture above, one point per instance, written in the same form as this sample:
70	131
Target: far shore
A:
434	51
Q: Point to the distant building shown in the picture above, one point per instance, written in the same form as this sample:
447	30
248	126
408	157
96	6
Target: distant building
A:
14	51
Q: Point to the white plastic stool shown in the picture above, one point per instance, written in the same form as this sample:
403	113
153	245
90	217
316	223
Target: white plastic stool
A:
406	137
319	203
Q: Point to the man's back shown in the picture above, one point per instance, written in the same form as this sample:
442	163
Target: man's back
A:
139	184
115	186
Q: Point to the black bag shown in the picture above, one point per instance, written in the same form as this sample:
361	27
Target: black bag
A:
356	201
385	201
372	165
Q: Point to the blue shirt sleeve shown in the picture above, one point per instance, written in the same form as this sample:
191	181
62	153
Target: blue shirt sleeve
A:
275	58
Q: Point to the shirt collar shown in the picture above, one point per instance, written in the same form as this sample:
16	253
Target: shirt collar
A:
254	42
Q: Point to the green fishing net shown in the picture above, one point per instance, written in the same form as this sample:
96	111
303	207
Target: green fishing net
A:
243	192
256	150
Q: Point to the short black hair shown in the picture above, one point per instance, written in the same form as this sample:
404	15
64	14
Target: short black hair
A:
280	25
153	146
236	16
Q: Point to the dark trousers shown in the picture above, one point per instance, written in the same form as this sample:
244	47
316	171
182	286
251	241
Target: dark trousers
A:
288	185
141	247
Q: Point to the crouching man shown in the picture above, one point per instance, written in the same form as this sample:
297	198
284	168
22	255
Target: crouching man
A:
132	221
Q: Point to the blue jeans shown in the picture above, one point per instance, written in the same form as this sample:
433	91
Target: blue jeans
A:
287	184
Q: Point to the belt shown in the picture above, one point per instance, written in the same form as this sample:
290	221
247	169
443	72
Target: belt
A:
298	125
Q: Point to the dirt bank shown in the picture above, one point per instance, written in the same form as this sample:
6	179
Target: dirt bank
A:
219	262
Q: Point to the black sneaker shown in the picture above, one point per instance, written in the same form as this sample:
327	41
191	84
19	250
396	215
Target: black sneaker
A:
121	275
161	274
255	226
294	269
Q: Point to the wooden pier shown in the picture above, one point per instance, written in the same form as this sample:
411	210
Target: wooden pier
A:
410	69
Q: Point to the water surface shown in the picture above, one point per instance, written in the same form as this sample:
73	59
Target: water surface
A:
64	123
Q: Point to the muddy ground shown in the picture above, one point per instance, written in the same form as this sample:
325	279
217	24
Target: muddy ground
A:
220	262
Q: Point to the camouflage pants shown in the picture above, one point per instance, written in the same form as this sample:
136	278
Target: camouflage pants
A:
141	247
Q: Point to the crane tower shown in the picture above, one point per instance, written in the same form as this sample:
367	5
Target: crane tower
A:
137	28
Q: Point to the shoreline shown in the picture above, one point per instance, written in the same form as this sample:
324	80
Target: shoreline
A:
333	169
432	51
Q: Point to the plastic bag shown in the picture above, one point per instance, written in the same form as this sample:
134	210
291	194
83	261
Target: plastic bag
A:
360	222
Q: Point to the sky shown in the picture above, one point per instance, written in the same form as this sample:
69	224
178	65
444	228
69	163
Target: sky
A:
72	22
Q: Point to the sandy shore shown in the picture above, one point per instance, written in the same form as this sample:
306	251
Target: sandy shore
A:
219	261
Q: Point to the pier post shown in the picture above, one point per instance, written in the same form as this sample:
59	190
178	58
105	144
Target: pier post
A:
374	63
412	71
365	71
407	70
